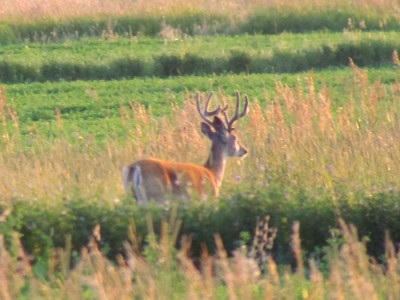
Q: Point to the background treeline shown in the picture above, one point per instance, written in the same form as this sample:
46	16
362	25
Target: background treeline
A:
275	20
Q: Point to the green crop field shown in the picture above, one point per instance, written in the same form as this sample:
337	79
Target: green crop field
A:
94	107
91	59
87	87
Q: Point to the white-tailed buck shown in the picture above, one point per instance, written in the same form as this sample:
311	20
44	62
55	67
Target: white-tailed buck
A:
158	180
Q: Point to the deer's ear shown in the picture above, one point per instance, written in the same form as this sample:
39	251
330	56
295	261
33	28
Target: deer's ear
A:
206	130
218	123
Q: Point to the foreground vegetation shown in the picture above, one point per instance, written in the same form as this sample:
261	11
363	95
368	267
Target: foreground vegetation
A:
44	227
165	273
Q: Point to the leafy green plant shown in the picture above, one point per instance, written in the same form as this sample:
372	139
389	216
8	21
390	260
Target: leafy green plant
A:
43	228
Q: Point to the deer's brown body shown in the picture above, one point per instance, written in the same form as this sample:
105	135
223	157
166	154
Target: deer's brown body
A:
155	179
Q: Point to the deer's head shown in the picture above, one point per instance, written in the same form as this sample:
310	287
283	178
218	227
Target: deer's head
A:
221	131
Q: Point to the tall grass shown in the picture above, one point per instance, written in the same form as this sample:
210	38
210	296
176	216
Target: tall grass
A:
55	20
166	273
26	10
298	139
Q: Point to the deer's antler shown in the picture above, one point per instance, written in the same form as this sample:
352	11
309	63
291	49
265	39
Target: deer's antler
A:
237	115
206	114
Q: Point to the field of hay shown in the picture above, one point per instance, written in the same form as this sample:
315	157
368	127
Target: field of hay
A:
89	86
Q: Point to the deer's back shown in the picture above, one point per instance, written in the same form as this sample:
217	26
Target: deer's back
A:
155	179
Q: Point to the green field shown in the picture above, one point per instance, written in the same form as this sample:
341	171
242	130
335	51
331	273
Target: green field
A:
94	59
93	107
83	94
100	50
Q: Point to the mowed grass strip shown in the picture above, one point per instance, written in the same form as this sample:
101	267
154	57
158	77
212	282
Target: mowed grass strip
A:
98	50
93	59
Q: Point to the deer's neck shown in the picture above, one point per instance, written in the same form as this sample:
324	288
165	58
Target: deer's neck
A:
216	163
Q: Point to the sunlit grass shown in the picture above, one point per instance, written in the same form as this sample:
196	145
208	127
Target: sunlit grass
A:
298	138
29	10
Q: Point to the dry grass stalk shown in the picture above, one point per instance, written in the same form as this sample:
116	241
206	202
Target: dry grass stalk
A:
357	264
226	272
316	290
393	267
261	248
14	270
200	282
296	248
58	118
395	58
2	103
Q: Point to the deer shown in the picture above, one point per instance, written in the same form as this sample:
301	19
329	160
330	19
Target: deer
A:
153	179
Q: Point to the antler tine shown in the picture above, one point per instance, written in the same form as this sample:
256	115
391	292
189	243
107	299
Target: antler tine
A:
237	115
205	114
214	112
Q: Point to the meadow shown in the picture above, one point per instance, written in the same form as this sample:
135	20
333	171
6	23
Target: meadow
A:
93	59
322	134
